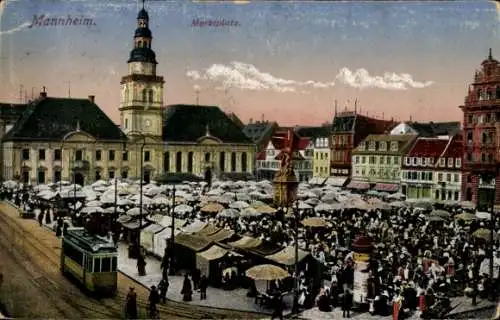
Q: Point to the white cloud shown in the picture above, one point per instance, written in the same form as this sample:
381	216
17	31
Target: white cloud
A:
390	80
18	28
247	77
470	25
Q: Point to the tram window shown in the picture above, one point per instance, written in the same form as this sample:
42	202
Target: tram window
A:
97	265
113	264
73	253
89	264
106	264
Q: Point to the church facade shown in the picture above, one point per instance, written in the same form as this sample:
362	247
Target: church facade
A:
52	139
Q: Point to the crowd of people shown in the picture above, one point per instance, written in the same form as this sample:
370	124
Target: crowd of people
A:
417	261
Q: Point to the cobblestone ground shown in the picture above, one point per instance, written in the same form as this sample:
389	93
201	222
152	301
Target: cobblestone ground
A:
36	251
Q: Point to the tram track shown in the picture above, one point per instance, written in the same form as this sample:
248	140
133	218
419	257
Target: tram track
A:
47	247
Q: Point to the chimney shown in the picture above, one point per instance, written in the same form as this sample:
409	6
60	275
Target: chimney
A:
43	94
91	99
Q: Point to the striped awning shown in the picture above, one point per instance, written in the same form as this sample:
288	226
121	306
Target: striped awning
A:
359	185
388	187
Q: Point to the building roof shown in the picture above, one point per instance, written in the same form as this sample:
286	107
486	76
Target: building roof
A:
11	111
433	129
52	118
428	147
344	123
314	132
236	119
353	122
260	132
188	123
454	149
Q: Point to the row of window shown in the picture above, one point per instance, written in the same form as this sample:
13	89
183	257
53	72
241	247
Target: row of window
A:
380	173
321	170
275	164
443	162
321	155
379	146
321	142
344	172
488	94
487	137
483	157
383	160
447	195
208	158
79	155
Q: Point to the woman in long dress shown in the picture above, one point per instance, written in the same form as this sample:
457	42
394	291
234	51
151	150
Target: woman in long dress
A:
187	290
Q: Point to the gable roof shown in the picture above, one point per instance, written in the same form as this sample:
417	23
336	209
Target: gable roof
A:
188	123
313	132
433	129
428	147
52	118
454	149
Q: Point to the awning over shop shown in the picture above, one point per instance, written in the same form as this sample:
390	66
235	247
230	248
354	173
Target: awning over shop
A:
336	181
359	185
209	230
287	256
265	248
245	243
192	241
317	180
213	253
387	187
220	235
135	224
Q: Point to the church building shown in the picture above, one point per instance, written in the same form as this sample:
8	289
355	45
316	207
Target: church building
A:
53	138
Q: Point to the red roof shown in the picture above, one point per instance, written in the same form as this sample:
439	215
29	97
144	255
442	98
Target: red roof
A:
428	148
455	149
261	155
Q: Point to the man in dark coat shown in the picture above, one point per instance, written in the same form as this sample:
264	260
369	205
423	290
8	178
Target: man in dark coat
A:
131	304
163	287
196	278
203	287
141	264
346	304
154	298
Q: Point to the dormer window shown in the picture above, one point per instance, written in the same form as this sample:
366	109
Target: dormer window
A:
362	146
394	146
372	146
458	162
424	161
407	161
383	146
419	161
430	161
450	162
442	162
414	160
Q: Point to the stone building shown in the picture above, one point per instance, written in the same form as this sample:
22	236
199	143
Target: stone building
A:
73	139
481	135
321	152
349	128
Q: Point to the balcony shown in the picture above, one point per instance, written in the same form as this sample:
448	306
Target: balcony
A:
82	165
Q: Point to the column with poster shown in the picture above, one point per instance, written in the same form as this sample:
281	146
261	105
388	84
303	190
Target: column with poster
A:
362	249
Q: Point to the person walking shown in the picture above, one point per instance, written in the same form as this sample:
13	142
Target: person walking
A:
187	291
141	264
154	299
203	287
346	304
131	304
163	287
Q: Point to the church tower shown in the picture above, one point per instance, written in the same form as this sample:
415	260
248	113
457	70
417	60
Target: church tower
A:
142	90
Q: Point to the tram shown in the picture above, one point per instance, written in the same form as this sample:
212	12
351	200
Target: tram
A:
91	260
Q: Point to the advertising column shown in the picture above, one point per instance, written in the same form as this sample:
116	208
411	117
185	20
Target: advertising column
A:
362	248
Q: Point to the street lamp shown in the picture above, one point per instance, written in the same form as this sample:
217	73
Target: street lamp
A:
171	270
143	137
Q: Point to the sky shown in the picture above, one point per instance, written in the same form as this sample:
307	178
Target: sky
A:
281	61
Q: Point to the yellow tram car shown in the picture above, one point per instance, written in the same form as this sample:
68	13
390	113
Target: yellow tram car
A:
91	260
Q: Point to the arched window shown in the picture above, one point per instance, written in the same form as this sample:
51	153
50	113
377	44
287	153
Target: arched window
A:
490	158
166	161
151	95
144	95
489	94
178	162
244	162
233	161
190	162
207	157
479	94
484	137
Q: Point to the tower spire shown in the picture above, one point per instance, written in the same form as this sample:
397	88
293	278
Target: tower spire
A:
490	55
143	4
